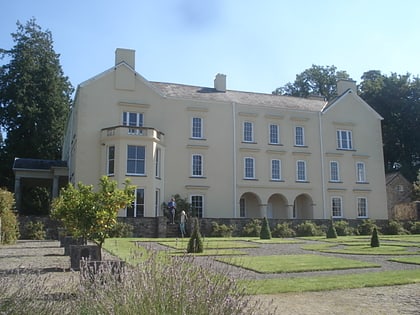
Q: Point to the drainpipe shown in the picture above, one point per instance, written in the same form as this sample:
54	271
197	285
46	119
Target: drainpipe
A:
321	141
234	160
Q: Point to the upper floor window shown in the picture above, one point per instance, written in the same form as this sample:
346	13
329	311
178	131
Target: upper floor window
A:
248	131
361	172
197	205
334	171
275	169
344	140
362	207
197	165
336	207
197	128
274	134
299	136
110	160
136	160
133	120
301	171
249	168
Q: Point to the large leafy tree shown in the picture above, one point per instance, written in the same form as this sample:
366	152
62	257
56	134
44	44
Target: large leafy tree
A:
397	99
35	99
91	214
317	80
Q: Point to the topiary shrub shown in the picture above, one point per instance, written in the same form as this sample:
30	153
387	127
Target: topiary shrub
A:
222	230
9	223
308	228
195	243
265	233
366	227
342	228
283	230
34	230
395	228
121	229
331	232
415	227
252	228
374	241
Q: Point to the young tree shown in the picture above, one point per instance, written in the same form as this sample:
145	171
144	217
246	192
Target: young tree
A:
195	243
91	214
9	226
35	99
265	233
374	240
317	80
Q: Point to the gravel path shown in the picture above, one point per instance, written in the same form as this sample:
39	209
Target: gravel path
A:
47	258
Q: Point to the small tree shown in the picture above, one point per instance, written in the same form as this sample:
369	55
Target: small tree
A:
9	227
195	244
89	214
374	241
331	232
265	233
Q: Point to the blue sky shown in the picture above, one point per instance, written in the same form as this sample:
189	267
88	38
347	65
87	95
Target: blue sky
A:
259	45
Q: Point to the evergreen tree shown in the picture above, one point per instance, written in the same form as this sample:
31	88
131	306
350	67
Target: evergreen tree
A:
374	241
195	243
331	232
265	233
35	99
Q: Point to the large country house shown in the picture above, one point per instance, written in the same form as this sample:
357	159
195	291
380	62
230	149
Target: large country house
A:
232	154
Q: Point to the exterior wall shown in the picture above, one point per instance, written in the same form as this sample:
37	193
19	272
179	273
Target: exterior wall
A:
399	192
101	101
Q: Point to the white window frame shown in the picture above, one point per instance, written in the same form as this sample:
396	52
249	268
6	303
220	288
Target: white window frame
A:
136	205
158	157
110	160
362	207
249	167
197	165
242	208
361	172
197	128
336	213
275	170
301	170
274	134
248	131
200	212
344	139
299	136
334	171
127	120
136	160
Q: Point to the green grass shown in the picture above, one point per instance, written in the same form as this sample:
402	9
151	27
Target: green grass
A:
276	241
415	260
362	249
295	263
209	244
325	283
210	252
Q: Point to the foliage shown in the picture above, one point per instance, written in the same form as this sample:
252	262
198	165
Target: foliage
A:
395	228
397	99
9	225
416	188
121	229
317	80
265	233
182	204
36	201
283	230
89	214
331	232
34	230
415	227
35	98
222	229
366	227
195	243
308	228
342	228
374	241
252	228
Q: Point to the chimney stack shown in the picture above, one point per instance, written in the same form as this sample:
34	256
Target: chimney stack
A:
220	82
125	55
344	84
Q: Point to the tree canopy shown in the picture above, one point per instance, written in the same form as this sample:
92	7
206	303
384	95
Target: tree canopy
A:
315	81
35	99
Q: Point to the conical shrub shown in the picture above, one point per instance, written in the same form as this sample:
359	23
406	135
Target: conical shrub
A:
195	244
265	230
374	241
331	232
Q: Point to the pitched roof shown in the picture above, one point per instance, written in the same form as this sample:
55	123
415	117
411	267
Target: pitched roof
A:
181	91
37	164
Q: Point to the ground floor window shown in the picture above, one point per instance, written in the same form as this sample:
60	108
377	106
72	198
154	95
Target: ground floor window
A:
197	205
362	207
336	207
242	209
137	207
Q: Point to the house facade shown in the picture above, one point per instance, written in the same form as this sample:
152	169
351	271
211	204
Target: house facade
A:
232	154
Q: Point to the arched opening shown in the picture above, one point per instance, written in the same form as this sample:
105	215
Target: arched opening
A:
277	207
249	206
303	207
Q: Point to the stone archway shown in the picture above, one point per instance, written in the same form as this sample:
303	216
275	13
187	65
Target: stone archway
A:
303	207
250	206
277	207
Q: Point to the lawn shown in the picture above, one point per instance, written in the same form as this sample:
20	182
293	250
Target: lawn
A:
415	260
362	249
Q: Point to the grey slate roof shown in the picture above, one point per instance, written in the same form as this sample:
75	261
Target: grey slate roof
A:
180	91
37	164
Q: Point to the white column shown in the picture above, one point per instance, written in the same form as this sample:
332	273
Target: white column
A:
263	211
